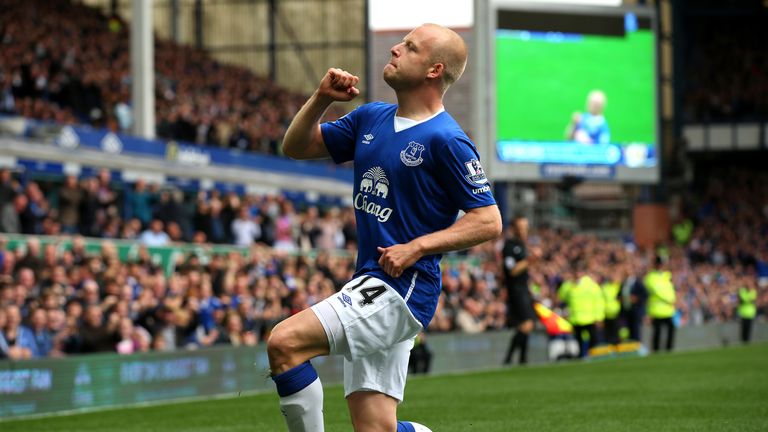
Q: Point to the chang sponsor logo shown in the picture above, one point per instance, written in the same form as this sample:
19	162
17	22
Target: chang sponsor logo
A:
373	184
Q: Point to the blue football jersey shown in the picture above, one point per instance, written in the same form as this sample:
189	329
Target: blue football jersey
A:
407	184
596	127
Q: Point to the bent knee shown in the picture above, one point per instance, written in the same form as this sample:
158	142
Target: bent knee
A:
281	345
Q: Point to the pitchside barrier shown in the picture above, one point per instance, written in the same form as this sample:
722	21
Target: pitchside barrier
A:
88	382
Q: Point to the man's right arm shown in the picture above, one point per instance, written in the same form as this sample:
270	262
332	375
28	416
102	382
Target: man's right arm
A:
303	139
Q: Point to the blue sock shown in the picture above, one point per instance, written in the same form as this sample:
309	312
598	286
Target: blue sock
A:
405	427
294	380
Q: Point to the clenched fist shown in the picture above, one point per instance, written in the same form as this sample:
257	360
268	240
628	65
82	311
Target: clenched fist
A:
339	85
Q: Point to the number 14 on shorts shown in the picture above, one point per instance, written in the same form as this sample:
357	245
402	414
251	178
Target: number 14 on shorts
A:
368	293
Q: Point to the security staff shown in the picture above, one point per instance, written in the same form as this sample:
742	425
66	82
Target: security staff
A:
747	310
661	303
586	307
611	291
520	312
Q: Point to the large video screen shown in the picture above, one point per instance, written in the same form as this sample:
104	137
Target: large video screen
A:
576	94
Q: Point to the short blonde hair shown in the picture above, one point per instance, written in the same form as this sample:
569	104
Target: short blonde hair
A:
451	51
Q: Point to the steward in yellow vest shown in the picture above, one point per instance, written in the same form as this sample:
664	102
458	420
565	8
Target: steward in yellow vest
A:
586	307
611	292
747	311
661	303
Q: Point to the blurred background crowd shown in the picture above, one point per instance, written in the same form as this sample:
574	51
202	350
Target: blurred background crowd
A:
724	71
59	299
68	63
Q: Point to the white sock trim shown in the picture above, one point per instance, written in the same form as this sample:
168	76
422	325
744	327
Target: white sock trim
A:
303	410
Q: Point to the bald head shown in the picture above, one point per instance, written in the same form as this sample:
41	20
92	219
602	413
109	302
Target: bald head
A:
596	101
449	49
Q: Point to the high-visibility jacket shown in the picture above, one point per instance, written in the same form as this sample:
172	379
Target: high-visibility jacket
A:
565	289
682	232
747	308
612	303
661	294
585	301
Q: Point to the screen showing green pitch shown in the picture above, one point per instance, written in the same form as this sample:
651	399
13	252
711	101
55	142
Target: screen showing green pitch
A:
576	98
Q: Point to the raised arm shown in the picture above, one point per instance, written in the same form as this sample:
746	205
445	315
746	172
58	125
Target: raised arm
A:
477	226
303	139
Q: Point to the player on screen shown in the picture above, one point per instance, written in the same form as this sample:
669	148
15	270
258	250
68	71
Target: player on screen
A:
414	170
590	127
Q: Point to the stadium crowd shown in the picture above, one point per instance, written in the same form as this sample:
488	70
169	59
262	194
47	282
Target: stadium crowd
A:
57	301
725	73
68	63
96	207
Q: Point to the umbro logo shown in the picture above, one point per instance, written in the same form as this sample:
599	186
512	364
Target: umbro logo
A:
367	138
345	300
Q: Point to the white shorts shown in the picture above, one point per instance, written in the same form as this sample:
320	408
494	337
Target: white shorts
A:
369	324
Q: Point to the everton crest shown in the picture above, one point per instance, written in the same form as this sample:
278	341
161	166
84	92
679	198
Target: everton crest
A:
411	156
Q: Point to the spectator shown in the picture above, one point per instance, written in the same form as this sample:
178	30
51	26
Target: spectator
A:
9	349
42	340
89	209
471	318
20	340
31	259
155	236
9	216
234	333
138	203
70	199
128	343
216	229
330	235
244	228
95	335
36	210
284	228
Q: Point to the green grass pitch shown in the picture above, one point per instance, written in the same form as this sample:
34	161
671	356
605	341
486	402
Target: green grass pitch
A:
718	390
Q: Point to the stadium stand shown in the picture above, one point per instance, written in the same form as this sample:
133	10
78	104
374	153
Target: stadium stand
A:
74	291
724	74
68	63
236	297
